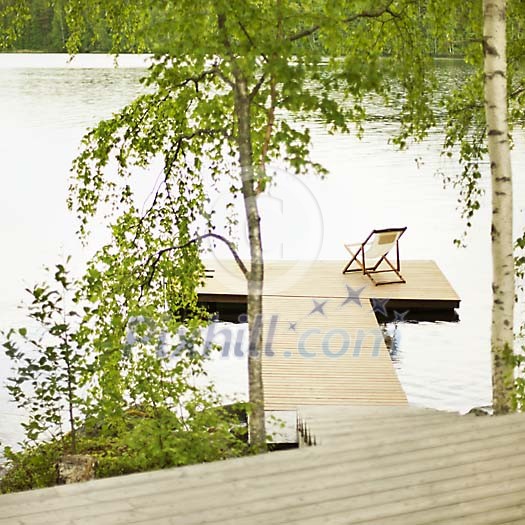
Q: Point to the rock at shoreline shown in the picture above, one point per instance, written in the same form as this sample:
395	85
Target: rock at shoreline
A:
74	468
480	411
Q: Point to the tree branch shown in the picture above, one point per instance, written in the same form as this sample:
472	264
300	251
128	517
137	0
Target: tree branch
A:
249	38
516	92
304	33
223	76
156	257
246	34
373	14
363	14
268	132
167	170
257	87
195	79
131	131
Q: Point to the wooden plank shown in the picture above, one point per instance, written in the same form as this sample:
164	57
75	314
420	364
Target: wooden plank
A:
321	336
425	281
326	358
431	468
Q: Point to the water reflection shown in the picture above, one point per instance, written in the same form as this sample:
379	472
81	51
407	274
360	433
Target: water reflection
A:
392	338
63	98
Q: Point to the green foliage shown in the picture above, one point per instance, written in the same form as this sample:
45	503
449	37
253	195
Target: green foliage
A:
149	438
520	259
519	357
146	440
458	106
161	438
148	26
145	362
42	29
14	15
41	25
122	380
519	384
227	78
32	468
189	119
518	360
48	360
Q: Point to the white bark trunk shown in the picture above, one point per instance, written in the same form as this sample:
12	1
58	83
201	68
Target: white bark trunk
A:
495	68
242	103
256	274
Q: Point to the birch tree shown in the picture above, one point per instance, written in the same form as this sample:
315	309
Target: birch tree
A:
479	115
227	76
503	286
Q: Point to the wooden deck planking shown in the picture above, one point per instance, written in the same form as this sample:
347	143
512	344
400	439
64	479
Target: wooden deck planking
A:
376	465
325	359
322	341
425	281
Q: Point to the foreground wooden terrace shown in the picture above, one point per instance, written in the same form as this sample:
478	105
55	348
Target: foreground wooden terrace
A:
372	465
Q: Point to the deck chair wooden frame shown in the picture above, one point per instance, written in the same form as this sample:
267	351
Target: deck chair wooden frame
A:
372	253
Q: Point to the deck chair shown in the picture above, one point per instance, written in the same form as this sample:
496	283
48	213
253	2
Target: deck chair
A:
370	257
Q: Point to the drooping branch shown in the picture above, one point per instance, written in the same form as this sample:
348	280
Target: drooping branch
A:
167	170
177	148
257	87
157	256
268	132
197	79
304	33
130	132
363	14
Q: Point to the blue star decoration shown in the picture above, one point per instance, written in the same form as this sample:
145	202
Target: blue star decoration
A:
292	326
318	307
379	306
354	295
400	316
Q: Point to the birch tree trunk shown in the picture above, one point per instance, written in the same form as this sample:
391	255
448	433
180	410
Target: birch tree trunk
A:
495	69
256	275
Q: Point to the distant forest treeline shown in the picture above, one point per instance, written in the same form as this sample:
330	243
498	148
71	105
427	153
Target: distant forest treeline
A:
47	31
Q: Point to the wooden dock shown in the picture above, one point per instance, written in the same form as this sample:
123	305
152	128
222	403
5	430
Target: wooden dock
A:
372	465
426	286
323	344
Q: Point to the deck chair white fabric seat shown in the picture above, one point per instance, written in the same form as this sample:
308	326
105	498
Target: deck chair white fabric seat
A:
370	256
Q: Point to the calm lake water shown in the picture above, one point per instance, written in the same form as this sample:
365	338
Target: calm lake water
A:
46	104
